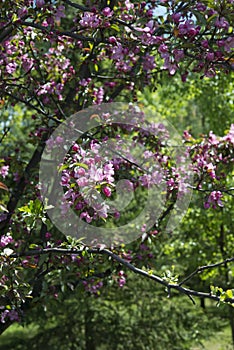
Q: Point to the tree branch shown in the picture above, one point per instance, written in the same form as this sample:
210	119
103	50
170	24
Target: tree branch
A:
63	33
205	267
129	266
77	6
27	103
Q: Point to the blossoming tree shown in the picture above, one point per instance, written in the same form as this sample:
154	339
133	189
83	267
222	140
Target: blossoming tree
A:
60	57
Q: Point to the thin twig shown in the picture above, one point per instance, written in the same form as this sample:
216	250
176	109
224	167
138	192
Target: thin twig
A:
205	267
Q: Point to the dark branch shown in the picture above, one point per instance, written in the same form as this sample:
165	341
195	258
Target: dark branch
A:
20	187
206	267
58	33
77	6
123	262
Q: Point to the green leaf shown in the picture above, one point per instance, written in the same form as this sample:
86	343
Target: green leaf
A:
115	27
62	167
33	246
229	293
96	67
82	165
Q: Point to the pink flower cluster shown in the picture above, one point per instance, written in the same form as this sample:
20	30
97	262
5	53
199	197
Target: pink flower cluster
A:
121	278
210	159
5	240
93	286
93	171
12	315
129	40
4	170
90	175
213	200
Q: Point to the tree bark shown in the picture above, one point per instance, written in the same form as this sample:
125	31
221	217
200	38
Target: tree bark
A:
89	330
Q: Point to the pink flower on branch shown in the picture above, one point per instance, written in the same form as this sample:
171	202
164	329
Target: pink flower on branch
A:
5	240
4	170
213	200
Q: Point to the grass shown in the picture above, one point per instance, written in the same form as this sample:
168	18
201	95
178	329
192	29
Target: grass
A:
220	341
15	336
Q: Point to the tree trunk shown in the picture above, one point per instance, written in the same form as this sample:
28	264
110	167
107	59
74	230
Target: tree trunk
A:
89	330
202	303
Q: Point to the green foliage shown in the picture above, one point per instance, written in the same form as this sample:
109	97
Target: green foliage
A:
199	105
135	317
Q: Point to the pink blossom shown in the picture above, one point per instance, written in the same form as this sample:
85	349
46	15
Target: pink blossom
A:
148	62
147	154
117	52
213	200
210	73
48	235
96	174
108	171
107	12
50	143
90	19
201	7
229	44
99	95
79	206
79	172
85	82
40	3
157	177
171	183
116	215
205	44
129	5
86	216
210	56
121	279
163	50
22	12
27	63
220	43
222	23
11	314
122	282
145	180
123	66
178	55
213	138
75	147
230	136
4	170
11	67
82	181
187	135
170	66
112	40
176	17
5	240
60	13
101	209
58	140
188	29
65	206
107	191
